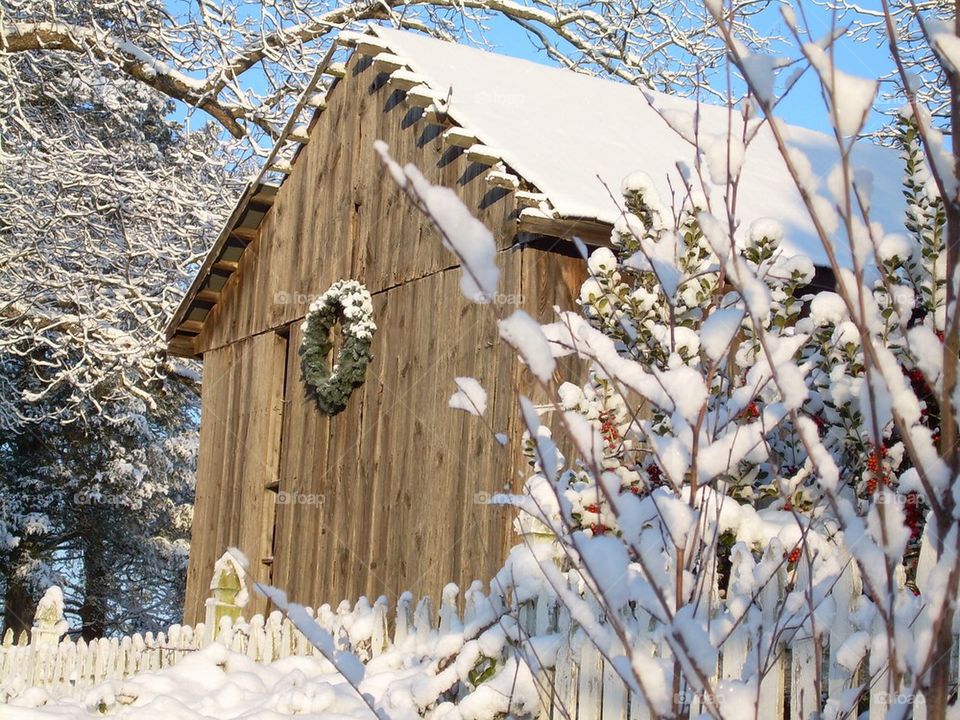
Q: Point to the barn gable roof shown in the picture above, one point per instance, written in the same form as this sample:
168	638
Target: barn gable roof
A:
576	137
561	141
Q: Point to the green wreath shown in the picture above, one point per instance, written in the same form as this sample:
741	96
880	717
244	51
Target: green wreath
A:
349	303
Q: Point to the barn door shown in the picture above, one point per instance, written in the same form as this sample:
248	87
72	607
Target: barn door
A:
238	466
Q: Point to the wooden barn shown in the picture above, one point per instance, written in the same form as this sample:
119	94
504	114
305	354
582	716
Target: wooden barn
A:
388	495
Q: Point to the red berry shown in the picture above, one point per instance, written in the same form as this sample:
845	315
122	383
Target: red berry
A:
750	411
794	556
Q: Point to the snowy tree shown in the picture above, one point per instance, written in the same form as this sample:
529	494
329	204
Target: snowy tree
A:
909	25
243	61
107	206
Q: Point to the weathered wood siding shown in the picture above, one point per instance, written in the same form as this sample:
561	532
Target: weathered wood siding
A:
336	215
240	423
397	471
388	495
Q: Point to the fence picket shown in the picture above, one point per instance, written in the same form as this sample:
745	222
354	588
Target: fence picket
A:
590	682
564	701
614	694
879	692
805	655
423	619
380	634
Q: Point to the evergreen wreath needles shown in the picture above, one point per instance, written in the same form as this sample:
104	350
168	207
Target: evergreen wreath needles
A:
349	303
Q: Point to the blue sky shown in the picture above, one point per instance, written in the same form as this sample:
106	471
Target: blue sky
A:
803	106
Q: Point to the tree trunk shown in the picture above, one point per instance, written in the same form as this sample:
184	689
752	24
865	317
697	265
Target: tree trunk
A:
19	604
93	611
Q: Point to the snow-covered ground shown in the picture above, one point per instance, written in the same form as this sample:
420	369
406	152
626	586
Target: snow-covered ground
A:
217	683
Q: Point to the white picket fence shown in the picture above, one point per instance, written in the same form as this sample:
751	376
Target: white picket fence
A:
580	684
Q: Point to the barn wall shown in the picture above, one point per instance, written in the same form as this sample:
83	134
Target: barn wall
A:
383	497
336	215
388	495
397	470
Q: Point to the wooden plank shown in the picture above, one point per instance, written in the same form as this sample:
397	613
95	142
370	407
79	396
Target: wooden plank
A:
460	137
262	419
317	100
805	657
404	79
229	266
305	435
370	45
501	179
281	166
483	155
386	62
300	134
264	197
529	199
182	345
591	678
590	231
423	96
212	432
191	326
246	235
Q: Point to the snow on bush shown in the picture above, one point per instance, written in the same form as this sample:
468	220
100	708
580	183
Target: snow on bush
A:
743	435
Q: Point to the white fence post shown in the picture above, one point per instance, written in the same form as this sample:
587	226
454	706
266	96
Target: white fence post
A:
229	595
48	622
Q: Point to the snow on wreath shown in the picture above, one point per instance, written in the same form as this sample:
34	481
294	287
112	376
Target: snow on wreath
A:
349	303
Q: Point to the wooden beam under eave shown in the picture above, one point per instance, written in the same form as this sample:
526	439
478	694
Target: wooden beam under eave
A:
246	235
299	135
459	137
403	79
337	70
371	45
208	296
191	326
592	232
483	155
284	167
229	266
387	62
182	346
423	96
264	198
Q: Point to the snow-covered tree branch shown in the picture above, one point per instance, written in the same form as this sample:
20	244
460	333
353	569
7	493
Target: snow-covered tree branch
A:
241	61
743	436
106	205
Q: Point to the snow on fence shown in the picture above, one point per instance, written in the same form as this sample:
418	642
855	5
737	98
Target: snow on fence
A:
579	684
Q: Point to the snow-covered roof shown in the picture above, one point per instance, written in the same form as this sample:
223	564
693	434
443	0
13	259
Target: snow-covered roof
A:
576	137
570	138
